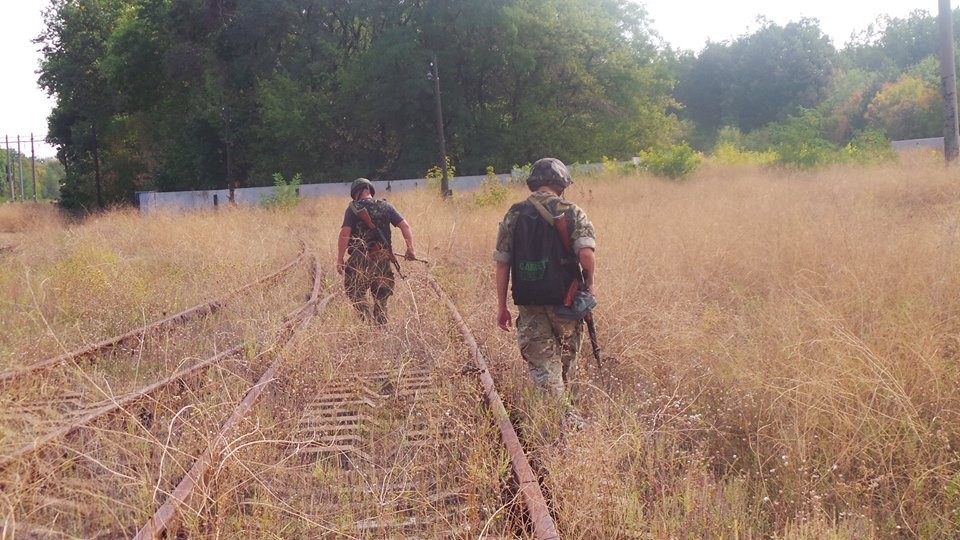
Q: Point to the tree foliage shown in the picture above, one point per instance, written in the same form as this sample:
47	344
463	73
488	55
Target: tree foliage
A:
758	78
187	94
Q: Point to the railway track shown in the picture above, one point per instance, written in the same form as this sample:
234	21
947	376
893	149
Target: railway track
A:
317	434
86	438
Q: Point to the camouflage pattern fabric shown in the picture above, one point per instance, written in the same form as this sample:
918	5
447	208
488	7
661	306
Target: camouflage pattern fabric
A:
372	272
549	171
550	344
382	214
581	230
368	267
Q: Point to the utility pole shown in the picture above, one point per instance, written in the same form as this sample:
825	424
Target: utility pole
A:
33	169
23	194
435	75
13	195
231	187
948	84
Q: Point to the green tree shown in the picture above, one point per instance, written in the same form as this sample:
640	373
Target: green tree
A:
758	78
187	94
73	46
909	108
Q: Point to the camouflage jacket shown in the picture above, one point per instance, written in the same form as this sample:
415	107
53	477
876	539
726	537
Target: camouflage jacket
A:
382	214
581	230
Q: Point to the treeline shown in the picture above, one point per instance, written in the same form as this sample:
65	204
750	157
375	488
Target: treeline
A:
195	94
17	174
187	94
780	81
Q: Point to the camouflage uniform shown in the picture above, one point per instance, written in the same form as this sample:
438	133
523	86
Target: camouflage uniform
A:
369	266
549	343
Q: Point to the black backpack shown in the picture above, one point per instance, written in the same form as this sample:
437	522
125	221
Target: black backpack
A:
542	270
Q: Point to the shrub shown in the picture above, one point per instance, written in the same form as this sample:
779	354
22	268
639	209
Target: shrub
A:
799	141
869	146
435	175
730	154
520	173
675	162
285	194
492	192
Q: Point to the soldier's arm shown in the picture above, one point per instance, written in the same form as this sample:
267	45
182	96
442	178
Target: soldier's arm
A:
342	241
588	263
503	279
408	239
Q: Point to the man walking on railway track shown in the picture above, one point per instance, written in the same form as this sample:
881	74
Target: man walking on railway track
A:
546	245
365	238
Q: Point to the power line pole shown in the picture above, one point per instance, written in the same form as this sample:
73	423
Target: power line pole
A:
948	84
33	169
435	75
13	195
23	194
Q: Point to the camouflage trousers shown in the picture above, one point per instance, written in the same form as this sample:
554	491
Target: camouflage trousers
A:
372	273
550	345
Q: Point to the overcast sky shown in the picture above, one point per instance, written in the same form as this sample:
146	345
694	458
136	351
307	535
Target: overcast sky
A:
683	24
688	25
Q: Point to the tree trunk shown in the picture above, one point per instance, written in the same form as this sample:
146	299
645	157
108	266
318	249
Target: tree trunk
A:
96	167
948	84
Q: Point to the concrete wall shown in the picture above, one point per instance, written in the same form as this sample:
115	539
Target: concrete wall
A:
148	201
933	143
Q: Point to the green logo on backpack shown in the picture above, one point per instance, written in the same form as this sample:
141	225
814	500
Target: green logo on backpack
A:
532	270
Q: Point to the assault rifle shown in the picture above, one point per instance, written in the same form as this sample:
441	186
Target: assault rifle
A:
578	285
384	244
405	257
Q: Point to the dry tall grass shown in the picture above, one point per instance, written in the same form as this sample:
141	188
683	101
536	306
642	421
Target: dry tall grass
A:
781	348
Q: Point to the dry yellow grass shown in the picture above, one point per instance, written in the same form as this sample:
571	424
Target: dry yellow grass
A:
782	347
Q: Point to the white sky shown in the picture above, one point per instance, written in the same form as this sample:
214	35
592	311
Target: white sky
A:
689	24
683	24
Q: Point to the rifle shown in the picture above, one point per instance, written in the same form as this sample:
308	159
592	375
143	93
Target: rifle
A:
563	228
365	217
592	330
404	256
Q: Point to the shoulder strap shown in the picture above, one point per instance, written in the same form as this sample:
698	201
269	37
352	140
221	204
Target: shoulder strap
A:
542	210
356	208
558	222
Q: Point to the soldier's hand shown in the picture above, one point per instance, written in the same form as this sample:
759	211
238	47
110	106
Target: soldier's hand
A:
340	267
504	320
410	255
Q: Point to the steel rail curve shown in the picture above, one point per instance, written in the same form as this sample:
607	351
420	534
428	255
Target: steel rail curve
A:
184	491
198	310
122	401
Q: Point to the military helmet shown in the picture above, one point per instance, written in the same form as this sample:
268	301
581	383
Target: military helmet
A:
549	172
358	185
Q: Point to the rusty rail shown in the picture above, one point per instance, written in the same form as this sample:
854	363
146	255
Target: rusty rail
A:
184	492
113	406
544	527
199	310
122	401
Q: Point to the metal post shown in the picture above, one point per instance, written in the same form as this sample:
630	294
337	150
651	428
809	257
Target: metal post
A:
444	182
33	169
948	84
23	194
13	195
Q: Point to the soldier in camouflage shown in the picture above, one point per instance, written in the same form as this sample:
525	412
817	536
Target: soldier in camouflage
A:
548	342
368	266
